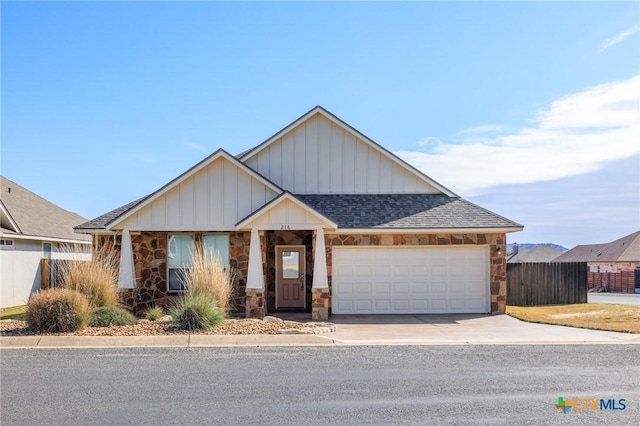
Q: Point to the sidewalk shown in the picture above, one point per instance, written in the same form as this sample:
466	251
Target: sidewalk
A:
361	330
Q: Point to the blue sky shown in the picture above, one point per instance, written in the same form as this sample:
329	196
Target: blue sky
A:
529	109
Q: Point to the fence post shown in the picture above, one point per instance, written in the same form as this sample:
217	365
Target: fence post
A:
44	274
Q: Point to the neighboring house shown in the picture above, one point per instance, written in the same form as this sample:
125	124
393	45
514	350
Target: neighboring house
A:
613	265
318	218
32	228
535	254
617	256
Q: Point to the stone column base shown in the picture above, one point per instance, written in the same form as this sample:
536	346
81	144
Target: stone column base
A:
320	299
255	303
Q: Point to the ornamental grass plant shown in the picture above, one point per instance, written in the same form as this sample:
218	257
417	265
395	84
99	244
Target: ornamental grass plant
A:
108	316
97	279
207	275
196	311
57	310
154	314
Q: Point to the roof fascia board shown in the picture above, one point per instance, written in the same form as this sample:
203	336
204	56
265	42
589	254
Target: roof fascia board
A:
425	230
41	238
13	223
331	117
94	231
181	228
285	196
192	171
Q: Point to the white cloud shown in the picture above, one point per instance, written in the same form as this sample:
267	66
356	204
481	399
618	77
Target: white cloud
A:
197	147
575	135
620	37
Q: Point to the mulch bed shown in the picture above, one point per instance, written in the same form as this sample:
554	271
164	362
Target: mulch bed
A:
268	325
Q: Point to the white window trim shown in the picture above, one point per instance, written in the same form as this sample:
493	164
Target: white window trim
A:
169	289
51	251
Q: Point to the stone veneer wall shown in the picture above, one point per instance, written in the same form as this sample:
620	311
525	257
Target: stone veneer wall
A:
239	262
150	267
498	262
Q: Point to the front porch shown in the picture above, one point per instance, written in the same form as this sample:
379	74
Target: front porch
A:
274	287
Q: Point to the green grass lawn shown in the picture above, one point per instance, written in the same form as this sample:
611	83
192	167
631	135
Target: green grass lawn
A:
15	312
595	316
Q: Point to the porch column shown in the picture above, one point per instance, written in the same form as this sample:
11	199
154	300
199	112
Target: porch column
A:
126	276
255	279
320	293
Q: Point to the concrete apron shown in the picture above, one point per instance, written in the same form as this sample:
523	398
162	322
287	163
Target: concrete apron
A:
461	330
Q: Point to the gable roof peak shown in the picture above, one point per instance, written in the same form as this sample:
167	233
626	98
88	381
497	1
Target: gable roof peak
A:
318	109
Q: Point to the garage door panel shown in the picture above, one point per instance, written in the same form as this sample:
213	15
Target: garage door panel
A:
400	288
362	288
383	305
401	305
457	305
410	280
420	289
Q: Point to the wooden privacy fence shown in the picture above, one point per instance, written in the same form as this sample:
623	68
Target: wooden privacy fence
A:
50	273
550	283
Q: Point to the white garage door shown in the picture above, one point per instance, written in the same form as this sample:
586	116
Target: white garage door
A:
410	280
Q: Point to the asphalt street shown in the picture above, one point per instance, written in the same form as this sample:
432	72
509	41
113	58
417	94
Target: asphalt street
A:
428	385
614	298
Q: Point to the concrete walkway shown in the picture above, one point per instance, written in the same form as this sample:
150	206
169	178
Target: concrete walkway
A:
362	330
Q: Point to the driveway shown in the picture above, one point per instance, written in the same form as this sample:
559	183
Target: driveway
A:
460	329
614	298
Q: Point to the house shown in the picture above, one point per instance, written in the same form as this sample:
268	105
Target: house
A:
317	218
613	265
534	254
31	229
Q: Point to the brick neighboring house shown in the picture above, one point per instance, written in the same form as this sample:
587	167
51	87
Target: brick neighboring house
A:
317	218
613	265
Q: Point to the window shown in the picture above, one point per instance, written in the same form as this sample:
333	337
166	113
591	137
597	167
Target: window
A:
6	244
46	251
216	246
290	265
180	257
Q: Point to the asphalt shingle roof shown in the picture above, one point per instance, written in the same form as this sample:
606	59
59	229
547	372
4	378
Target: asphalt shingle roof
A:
36	216
383	211
625	249
101	222
536	254
403	211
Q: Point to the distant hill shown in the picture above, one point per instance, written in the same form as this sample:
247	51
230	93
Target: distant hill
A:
524	246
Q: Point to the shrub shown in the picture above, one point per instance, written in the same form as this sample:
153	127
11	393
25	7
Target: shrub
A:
57	310
196	311
107	316
97	279
154	314
209	276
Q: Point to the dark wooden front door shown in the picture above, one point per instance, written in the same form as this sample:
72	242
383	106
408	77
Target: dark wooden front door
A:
290	292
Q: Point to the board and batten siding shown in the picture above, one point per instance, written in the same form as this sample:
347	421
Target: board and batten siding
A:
321	157
288	214
215	198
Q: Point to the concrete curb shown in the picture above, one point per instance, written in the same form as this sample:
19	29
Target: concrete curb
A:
256	340
177	341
